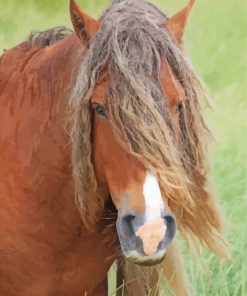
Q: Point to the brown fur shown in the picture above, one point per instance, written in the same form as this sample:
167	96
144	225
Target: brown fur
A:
45	249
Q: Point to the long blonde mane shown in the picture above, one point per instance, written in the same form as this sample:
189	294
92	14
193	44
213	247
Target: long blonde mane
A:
131	44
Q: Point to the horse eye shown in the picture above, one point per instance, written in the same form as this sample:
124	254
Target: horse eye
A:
100	110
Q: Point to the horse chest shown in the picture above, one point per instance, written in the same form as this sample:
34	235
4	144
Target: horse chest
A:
43	253
44	250
32	267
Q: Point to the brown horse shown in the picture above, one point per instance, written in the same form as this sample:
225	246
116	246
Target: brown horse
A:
133	107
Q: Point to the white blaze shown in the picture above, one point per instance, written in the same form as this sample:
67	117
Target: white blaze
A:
153	198
153	230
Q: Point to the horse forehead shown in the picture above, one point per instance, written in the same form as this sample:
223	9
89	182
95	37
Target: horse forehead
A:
172	88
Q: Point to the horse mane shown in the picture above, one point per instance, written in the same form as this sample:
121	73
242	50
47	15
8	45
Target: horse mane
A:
48	37
131	43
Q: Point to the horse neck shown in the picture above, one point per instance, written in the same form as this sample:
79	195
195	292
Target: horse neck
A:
35	86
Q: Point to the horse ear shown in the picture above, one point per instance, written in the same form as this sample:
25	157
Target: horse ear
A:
84	25
176	24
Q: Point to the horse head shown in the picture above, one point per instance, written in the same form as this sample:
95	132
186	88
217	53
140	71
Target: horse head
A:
136	125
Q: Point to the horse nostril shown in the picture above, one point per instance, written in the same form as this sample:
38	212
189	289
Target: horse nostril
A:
127	225
171	227
169	218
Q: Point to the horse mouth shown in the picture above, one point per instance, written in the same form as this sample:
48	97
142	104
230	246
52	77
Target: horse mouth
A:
136	258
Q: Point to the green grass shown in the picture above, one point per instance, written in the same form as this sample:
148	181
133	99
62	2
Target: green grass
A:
217	43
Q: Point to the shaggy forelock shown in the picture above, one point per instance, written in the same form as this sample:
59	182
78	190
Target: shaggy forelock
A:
130	47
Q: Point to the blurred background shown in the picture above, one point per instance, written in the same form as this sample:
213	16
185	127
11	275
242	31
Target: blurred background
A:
216	40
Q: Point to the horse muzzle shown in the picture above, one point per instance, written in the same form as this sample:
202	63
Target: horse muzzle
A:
145	242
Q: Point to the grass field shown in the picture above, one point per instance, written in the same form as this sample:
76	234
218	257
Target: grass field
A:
216	40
